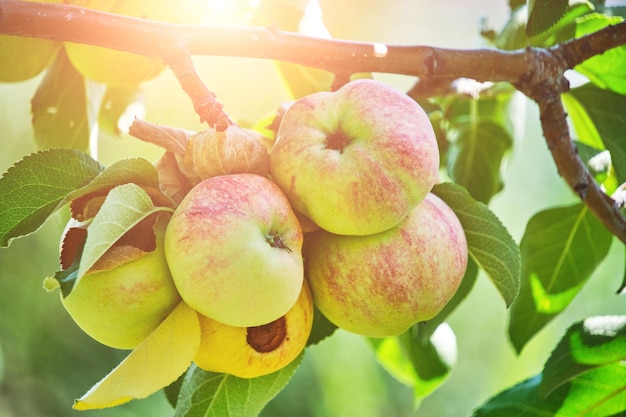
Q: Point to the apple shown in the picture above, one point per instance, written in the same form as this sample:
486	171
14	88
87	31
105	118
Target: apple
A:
379	285
234	250
127	294
250	352
23	58
355	161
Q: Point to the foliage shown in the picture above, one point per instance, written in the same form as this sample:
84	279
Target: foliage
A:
560	249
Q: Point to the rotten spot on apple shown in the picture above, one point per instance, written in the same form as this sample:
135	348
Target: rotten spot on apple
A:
268	337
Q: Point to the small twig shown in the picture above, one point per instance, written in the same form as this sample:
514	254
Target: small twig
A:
204	100
171	139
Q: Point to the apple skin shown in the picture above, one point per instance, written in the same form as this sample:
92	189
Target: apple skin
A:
232	350
234	249
355	161
23	58
120	307
121	68
380	285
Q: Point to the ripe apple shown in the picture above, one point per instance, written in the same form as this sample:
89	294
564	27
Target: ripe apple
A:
379	285
121	306
120	68
249	352
234	249
357	160
23	58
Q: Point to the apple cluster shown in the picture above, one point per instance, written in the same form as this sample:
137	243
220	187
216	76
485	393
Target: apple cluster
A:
339	215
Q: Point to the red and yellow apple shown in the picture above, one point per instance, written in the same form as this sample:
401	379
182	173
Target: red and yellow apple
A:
379	285
233	246
355	161
250	352
127	294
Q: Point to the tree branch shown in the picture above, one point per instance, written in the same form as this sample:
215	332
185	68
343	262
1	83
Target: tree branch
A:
538	73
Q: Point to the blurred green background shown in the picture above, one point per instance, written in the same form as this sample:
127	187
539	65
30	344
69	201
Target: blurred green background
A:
46	361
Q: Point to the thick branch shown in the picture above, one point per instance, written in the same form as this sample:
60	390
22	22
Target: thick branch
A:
539	73
157	39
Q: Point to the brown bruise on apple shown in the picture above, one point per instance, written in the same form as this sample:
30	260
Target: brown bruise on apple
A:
250	352
269	337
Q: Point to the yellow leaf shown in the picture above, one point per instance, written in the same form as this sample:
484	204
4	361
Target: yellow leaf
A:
155	363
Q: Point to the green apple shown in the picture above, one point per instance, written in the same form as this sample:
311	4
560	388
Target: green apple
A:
250	352
23	58
357	160
120	68
234	249
379	285
119	307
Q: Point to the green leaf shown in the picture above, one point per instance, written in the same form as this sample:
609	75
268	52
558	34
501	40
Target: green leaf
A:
35	187
598	392
59	108
584	376
422	365
522	400
124	207
322	328
622	288
605	109
607	70
590	344
475	156
489	242
583	125
172	391
301	81
210	394
513	34
560	250
479	136
565	28
553	22
542	15
133	170
116	108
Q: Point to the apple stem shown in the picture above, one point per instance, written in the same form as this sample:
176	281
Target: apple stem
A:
337	141
276	242
205	102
